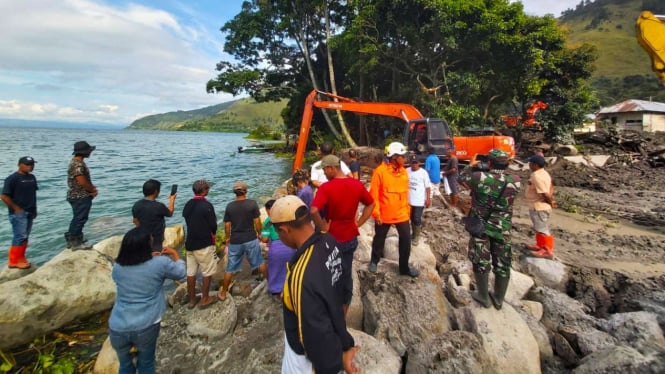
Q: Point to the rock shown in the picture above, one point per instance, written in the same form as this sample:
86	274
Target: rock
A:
563	349
506	339
561	310
9	274
547	273
586	340
354	315
539	333
401	310
620	360
634	327
107	360
457	294
212	323
375	356
72	286
174	236
533	308
451	352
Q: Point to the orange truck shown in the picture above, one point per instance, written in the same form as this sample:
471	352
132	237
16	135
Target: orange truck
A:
419	133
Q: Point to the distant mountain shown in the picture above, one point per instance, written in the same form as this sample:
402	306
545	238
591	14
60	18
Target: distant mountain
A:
242	115
11	122
623	69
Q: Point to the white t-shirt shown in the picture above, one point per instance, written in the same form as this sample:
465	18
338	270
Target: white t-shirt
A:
317	174
418	183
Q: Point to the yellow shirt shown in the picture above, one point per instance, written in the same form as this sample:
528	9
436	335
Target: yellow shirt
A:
539	182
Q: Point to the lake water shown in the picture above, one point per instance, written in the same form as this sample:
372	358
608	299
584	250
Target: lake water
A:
122	162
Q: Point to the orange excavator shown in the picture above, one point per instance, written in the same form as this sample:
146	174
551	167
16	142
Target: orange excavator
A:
529	121
420	134
650	31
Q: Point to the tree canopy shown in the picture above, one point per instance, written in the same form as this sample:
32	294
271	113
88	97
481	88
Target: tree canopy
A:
467	61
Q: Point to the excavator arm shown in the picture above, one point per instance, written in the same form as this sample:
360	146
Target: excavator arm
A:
402	111
650	31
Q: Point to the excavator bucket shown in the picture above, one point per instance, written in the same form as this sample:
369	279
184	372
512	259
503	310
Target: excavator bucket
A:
650	31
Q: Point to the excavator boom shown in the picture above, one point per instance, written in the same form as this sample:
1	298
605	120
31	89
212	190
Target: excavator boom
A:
650	31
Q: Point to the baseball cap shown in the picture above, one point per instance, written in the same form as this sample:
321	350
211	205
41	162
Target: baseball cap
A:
284	209
538	160
83	147
27	160
329	160
239	185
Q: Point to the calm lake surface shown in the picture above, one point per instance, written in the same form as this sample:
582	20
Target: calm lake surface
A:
122	162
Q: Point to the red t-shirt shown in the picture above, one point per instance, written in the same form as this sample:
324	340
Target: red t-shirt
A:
340	198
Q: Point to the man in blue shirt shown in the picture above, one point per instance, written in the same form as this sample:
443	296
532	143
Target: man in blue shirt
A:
433	167
19	193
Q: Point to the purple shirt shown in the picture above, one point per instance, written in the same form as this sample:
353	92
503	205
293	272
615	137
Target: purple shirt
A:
278	255
306	195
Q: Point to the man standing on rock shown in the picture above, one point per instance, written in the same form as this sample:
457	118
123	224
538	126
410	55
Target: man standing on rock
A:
390	190
79	195
201	223
242	227
540	196
148	213
316	337
19	193
492	195
341	211
419	195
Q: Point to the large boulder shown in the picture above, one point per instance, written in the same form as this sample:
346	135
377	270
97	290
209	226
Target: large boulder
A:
375	356
505	337
549	273
451	352
635	327
72	286
619	360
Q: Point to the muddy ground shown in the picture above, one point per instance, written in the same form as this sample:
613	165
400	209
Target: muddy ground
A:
609	229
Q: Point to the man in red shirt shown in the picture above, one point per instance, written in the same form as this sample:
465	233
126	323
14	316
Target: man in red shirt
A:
339	199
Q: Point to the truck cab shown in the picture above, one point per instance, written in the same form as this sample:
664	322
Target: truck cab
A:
422	134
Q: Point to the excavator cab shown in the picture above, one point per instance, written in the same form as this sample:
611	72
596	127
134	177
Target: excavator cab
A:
650	31
424	133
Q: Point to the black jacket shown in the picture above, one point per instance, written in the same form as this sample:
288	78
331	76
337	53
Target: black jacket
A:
313	316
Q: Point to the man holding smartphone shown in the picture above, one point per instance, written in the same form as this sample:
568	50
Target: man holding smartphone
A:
149	213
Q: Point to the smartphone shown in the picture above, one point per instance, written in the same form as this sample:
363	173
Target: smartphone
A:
174	189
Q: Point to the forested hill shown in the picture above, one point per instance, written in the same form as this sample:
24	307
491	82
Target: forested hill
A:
242	115
623	69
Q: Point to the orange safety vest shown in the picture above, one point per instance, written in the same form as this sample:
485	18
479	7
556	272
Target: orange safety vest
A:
390	190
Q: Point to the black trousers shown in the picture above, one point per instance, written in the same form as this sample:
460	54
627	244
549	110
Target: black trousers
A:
379	241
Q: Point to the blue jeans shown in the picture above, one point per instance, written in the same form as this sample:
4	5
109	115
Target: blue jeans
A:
417	215
21	226
81	209
347	249
146	343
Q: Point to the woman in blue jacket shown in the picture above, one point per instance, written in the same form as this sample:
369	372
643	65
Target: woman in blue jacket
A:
139	275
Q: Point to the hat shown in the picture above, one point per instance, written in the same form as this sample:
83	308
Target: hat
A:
83	148
284	209
498	155
27	160
329	160
538	160
414	159
395	148
239	185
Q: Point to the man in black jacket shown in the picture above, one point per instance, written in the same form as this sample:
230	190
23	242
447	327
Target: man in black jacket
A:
316	334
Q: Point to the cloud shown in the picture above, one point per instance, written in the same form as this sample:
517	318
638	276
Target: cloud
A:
89	60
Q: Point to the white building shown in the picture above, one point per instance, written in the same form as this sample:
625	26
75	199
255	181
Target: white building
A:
635	115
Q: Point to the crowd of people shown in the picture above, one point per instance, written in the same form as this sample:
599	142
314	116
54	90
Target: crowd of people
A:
311	237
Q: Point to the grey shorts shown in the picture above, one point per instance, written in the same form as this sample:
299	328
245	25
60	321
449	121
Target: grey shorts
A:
539	218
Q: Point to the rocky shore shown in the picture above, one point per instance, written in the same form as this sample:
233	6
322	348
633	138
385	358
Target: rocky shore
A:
579	313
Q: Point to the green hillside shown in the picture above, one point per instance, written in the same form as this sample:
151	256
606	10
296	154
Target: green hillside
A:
623	69
242	115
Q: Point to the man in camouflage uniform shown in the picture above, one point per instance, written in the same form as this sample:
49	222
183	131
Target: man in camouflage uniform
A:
493	250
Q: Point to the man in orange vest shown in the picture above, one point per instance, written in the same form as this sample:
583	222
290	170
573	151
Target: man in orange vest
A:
390	190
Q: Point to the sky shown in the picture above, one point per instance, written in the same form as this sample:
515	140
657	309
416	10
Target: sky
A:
114	61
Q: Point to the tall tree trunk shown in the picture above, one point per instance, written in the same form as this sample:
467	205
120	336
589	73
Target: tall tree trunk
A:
301	41
333	85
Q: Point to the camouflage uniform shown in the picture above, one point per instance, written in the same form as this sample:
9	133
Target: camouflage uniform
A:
495	247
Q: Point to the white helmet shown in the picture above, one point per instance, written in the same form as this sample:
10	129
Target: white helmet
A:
395	148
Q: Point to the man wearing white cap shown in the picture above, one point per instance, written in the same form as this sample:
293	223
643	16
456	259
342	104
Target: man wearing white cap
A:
315	330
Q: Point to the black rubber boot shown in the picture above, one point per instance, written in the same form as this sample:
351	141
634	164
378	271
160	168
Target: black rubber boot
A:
416	233
68	240
500	288
481	294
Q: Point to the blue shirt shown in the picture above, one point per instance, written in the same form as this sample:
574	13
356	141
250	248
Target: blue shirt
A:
433	167
140	301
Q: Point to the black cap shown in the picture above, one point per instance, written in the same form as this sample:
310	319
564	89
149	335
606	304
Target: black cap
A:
538	160
83	148
27	160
